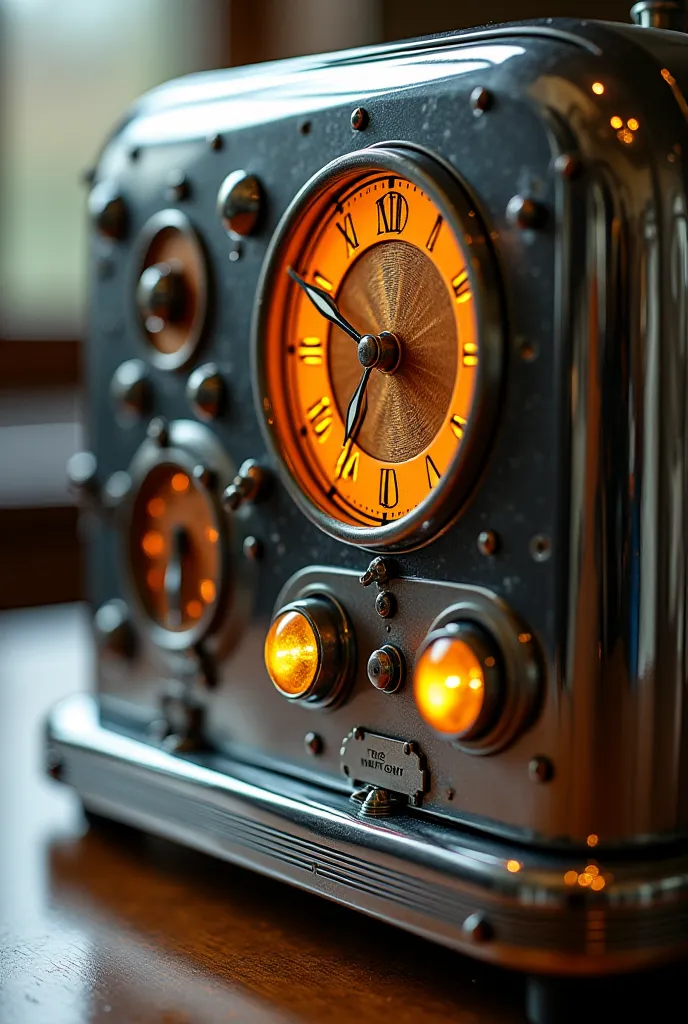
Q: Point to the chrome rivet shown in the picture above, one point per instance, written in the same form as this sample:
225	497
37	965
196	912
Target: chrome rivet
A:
540	547
528	351
568	165
386	604
240	203
178	187
488	542
117	488
358	733
114	632
540	769
108	212
247	485
252	548
525	213
158	431
313	743
360	119
205	476
481	100
162	296
82	472
205	391
478	928
130	387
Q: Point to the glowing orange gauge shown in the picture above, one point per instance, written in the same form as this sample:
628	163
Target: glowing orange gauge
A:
379	347
175	549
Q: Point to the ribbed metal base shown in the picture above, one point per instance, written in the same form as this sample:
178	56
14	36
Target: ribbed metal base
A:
509	904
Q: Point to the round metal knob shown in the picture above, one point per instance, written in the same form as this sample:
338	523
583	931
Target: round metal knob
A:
162	296
386	669
239	203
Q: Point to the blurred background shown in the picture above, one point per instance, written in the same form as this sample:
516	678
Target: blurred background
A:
68	70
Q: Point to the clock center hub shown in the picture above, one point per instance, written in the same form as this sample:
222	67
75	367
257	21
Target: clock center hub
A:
382	352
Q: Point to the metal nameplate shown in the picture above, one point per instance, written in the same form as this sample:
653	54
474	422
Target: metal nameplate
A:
396	765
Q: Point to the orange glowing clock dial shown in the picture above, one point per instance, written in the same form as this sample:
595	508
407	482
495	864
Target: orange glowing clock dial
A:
175	549
399	258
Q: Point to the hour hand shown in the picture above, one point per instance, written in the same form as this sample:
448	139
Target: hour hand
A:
325	305
356	410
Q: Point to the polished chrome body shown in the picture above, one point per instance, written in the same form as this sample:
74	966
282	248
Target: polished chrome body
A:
570	138
427	877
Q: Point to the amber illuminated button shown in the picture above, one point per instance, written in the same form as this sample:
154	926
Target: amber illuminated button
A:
308	651
457	681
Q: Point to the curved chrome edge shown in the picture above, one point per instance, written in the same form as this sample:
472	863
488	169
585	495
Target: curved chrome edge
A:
428	878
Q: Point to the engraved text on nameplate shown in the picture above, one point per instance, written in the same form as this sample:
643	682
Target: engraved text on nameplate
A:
381	761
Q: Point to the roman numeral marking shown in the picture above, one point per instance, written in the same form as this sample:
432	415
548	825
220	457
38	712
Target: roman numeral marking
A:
322	282
349	232
392	213
430	244
347	463
462	287
320	417
311	351
470	353
389	491
458	425
432	471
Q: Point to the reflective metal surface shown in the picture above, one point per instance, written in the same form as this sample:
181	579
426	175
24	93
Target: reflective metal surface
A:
425	877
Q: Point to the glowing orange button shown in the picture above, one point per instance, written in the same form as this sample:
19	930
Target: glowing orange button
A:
449	686
292	656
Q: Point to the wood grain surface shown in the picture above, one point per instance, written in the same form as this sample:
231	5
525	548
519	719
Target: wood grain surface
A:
112	926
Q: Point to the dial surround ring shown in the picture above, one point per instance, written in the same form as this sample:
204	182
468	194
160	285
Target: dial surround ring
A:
439	182
191	446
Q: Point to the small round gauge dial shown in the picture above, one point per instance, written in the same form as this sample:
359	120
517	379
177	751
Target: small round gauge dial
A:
379	345
175	549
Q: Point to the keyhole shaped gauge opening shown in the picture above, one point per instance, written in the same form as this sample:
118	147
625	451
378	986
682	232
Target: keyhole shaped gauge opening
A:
175	550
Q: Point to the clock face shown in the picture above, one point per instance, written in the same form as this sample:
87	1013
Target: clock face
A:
370	347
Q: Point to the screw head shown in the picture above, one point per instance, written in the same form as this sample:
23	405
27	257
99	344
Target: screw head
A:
488	542
313	743
386	604
478	928
568	165
240	203
252	548
216	142
205	391
540	769
130	388
541	547
108	212
481	99
360	119
158	431
177	186
525	213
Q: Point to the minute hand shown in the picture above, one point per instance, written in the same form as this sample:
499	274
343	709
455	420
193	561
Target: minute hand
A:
325	305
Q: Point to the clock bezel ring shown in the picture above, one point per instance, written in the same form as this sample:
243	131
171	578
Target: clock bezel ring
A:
436	512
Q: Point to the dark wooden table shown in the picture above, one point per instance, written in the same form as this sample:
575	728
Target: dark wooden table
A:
108	925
